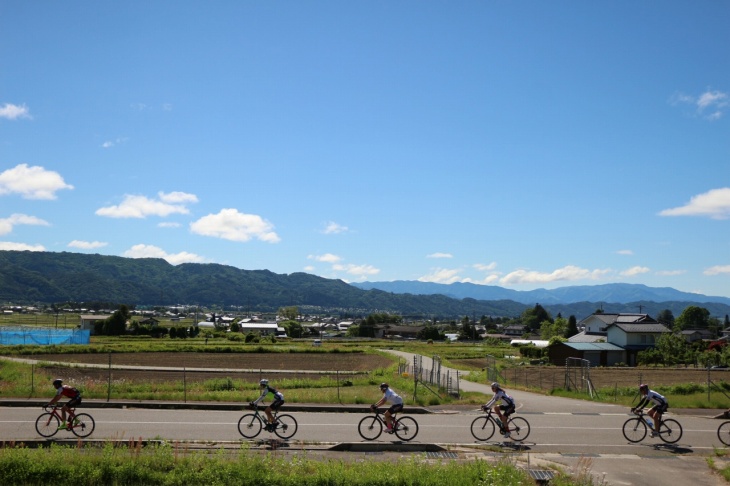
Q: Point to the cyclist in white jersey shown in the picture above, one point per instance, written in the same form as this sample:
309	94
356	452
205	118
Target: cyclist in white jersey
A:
660	406
397	405
507	406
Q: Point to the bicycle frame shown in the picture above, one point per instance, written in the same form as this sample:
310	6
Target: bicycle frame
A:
54	410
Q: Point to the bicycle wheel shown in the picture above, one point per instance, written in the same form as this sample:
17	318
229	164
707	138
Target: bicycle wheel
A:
670	431
286	427
83	425
519	428
406	428
634	430
482	428
250	425
47	425
723	433
370	428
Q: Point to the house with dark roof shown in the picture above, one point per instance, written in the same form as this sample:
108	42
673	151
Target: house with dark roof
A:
635	337
608	339
595	326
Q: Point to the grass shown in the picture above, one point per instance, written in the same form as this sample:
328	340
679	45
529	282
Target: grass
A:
172	464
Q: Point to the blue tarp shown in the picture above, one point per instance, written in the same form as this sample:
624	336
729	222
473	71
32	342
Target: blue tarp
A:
42	336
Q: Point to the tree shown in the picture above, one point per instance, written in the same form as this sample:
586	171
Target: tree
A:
572	329
548	329
693	317
666	317
672	348
289	313
534	317
116	324
430	332
293	329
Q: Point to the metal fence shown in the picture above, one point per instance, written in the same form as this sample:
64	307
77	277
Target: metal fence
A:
435	376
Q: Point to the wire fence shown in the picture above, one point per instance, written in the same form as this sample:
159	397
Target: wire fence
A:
435	376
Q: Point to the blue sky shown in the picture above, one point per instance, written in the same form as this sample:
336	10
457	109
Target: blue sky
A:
522	144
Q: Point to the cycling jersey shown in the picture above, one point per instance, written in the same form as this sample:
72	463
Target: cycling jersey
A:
507	400
278	396
652	396
392	397
67	391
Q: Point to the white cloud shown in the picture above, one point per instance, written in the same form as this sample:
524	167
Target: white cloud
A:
485	267
229	224
87	245
112	143
440	255
670	273
151	251
566	273
168	224
7	224
332	228
142	206
32	182
714	203
442	275
177	197
12	246
309	268
717	270
13	112
625	252
357	270
711	105
633	271
327	258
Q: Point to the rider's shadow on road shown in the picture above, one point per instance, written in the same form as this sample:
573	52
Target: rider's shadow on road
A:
673	448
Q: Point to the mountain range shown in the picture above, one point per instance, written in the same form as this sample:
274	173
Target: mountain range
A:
610	293
49	277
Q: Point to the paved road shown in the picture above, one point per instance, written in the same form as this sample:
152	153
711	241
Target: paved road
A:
564	431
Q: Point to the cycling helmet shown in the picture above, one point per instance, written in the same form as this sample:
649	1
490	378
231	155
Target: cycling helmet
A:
383	386
643	387
57	382
496	385
264	382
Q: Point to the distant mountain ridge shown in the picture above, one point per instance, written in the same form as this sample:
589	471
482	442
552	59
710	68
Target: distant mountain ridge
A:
621	293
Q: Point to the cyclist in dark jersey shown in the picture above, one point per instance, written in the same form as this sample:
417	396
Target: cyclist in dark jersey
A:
278	401
660	406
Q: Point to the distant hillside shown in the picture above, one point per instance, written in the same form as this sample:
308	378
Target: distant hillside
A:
47	277
612	293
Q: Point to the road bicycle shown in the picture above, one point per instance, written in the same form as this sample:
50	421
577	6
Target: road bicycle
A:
483	427
370	427
251	424
48	423
723	433
635	428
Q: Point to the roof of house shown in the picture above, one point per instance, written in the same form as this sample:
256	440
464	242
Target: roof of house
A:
594	346
582	337
621	318
642	328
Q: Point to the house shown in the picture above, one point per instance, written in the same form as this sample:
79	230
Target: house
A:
515	330
595	326
597	354
693	335
400	332
634	337
150	321
89	320
262	328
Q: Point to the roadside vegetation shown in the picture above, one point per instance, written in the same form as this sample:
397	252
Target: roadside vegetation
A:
172	464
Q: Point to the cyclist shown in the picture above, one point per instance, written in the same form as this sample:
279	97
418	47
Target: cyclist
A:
278	402
507	406
660	406
69	392
397	405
